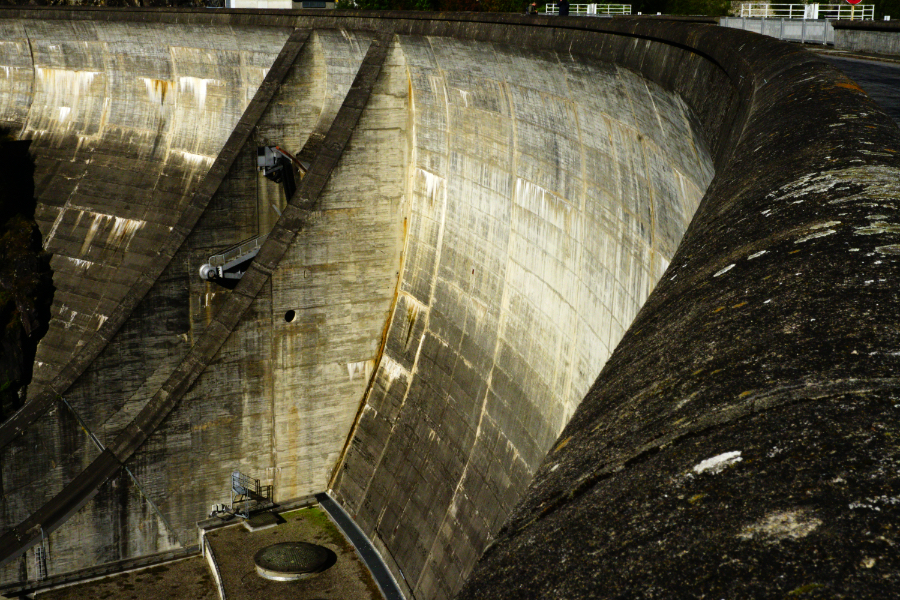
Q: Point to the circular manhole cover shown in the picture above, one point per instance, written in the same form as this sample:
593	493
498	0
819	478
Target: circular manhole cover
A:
292	560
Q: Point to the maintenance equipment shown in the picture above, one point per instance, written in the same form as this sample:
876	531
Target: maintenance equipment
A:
279	166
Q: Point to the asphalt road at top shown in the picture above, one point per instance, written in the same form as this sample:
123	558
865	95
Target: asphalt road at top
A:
881	80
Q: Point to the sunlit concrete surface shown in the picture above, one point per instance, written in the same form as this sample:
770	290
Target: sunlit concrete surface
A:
512	195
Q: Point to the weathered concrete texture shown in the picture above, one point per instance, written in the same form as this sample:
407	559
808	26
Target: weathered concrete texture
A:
49	455
548	194
262	402
124	111
131	527
230	411
588	155
103	400
124	120
535	196
340	281
878	37
737	442
38	401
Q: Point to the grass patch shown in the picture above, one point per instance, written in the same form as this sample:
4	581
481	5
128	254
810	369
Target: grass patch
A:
316	518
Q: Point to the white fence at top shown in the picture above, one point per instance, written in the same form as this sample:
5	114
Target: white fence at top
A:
590	9
809	11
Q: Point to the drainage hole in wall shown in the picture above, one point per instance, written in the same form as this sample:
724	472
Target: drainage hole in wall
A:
289	316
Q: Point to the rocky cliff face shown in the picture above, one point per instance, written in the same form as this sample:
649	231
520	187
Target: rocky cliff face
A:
26	282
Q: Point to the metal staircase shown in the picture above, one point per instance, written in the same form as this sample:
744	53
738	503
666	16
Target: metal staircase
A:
232	263
280	166
248	496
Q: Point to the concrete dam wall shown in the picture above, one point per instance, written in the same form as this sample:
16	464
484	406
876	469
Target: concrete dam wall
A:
489	204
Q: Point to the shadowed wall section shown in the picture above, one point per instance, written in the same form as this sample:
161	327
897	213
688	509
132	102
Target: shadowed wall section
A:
125	119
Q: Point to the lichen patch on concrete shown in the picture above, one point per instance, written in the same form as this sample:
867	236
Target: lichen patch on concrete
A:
781	525
878	227
723	271
717	464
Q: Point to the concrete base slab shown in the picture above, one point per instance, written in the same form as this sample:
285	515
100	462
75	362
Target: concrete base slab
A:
261	521
187	579
235	547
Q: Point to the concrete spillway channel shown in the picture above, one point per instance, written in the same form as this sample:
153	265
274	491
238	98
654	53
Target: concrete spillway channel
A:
606	305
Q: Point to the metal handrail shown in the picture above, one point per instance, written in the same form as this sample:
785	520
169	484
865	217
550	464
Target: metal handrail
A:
590	9
807	31
832	12
247	495
245	247
242	484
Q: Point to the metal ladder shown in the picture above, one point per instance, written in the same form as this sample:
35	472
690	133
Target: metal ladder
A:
40	561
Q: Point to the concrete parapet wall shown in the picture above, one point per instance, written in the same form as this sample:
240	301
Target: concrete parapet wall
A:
492	200
708	445
877	37
213	567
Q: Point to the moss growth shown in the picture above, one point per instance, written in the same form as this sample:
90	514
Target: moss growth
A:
158	569
315	517
805	589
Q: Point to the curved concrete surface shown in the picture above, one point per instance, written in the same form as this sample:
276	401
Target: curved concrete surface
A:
115	112
491	201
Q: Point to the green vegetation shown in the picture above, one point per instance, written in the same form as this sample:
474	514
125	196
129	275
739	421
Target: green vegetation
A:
26	285
114	3
885	7
711	8
316	518
513	6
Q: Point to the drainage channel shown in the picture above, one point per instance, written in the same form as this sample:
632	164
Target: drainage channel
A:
364	547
